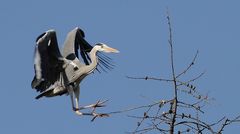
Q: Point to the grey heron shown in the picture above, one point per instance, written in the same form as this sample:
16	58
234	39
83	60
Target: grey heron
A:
57	74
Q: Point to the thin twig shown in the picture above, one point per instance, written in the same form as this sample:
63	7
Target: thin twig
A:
228	122
191	106
189	66
149	78
134	108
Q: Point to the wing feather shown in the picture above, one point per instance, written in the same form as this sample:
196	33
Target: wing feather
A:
47	61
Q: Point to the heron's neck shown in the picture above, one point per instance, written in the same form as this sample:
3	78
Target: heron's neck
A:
94	60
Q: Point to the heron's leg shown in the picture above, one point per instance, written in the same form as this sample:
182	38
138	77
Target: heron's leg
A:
71	97
76	93
74	97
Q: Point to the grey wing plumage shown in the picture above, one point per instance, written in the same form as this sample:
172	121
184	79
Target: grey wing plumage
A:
48	61
76	46
74	43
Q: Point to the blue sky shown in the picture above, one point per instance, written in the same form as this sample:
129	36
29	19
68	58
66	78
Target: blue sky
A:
138	28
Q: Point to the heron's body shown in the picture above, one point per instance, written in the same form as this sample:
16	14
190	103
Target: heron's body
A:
57	74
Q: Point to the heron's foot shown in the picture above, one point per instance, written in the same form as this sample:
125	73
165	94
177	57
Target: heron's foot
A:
94	106
99	104
95	115
93	112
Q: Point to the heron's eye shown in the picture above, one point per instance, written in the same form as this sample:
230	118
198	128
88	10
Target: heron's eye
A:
101	46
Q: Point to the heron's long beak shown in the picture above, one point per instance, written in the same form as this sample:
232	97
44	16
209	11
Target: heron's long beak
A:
111	50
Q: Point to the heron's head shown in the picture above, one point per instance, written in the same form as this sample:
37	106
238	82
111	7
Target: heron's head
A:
104	48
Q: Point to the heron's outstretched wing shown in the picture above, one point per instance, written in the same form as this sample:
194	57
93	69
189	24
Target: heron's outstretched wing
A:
48	61
76	45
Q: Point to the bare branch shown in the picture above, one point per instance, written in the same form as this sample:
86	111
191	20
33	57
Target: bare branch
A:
149	78
228	122
177	112
192	106
189	66
174	106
